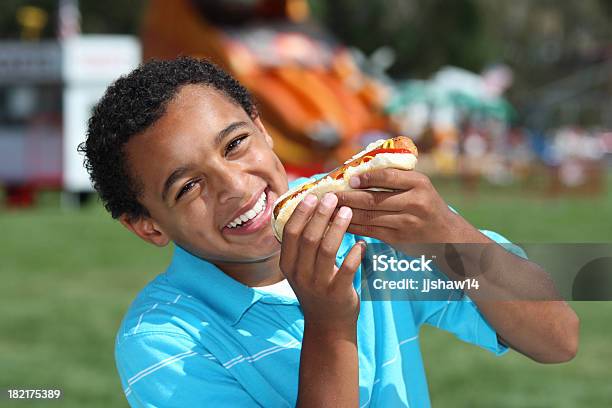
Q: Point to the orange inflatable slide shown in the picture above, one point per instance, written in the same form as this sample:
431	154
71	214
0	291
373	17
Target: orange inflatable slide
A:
316	103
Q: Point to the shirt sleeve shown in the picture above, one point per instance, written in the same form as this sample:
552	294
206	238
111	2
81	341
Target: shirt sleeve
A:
463	319
171	370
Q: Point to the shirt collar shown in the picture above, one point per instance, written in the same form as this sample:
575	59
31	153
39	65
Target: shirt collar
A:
227	297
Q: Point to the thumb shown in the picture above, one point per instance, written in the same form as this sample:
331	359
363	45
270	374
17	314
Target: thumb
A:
346	273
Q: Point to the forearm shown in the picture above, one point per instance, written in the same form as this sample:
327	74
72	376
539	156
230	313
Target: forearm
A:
329	367
519	300
516	296
545	331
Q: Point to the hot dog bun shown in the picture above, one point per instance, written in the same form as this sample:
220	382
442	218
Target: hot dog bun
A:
398	153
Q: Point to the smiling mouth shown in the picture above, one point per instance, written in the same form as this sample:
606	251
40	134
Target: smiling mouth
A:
254	218
248	215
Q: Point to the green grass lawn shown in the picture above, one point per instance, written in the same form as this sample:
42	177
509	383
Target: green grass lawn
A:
68	277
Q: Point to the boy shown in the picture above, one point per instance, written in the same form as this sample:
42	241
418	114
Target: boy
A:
178	153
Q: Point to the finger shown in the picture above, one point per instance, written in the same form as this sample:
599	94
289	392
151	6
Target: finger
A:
314	230
387	219
373	200
326	256
345	275
293	231
388	178
381	233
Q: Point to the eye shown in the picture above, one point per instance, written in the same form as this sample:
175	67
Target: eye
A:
234	144
187	188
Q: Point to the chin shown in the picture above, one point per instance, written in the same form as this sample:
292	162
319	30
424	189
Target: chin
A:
267	247
249	258
246	255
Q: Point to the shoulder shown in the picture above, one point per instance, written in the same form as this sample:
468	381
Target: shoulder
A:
162	327
163	310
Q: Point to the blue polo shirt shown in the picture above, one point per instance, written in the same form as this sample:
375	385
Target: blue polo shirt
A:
195	337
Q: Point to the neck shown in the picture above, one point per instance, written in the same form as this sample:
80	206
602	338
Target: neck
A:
254	273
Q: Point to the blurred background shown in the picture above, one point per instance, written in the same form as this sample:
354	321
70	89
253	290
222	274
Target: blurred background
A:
509	102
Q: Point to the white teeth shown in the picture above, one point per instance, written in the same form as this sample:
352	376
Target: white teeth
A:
259	206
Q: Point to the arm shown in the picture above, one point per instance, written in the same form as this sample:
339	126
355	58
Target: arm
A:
329	366
545	329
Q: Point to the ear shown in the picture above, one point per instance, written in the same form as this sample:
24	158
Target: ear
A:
146	229
261	127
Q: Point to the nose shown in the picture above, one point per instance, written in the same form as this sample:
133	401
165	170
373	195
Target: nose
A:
231	184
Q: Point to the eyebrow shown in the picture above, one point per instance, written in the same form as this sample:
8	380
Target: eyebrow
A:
180	171
172	178
225	132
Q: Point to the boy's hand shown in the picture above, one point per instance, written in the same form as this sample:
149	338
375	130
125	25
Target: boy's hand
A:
413	213
311	239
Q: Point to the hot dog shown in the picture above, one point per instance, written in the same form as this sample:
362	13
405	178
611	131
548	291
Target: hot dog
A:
398	152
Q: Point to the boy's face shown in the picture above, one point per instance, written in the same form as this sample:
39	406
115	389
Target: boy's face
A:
202	165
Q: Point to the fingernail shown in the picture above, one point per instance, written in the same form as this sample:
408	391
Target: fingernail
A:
345	212
310	200
329	200
354	182
363	248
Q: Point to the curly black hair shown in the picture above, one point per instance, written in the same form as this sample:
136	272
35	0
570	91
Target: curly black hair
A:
131	105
